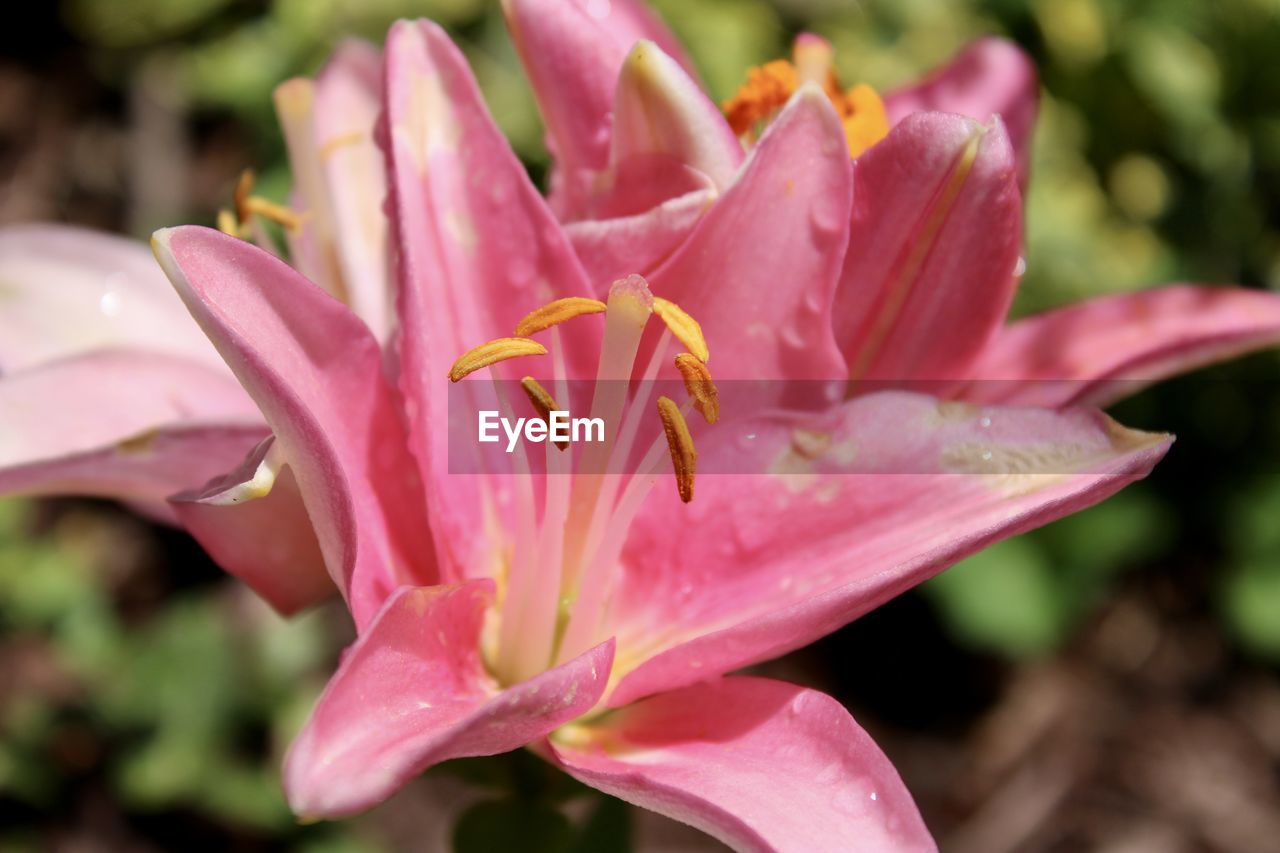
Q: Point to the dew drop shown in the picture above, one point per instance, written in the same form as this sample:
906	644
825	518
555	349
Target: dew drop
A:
984	423
792	336
825	223
109	304
1020	268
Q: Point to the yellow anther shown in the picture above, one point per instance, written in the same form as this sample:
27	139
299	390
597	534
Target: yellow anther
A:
557	312
769	86
684	327
492	353
247	205
767	89
543	402
684	459
228	224
699	385
244	188
864	118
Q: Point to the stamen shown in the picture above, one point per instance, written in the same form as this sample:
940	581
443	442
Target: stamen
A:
684	327
244	187
228	225
684	458
543	402
247	205
277	213
558	312
699	385
770	86
492	353
767	89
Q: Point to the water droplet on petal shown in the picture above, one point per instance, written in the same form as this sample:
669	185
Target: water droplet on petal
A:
109	304
826	222
984	423
1020	268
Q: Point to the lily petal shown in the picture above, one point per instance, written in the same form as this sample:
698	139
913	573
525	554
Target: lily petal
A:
668	137
933	246
858	505
348	94
66	291
125	424
759	764
992	76
573	51
310	363
1096	352
759	271
254	524
413	692
610	249
479	249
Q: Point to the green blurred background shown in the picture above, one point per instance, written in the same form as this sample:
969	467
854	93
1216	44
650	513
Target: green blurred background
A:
1109	682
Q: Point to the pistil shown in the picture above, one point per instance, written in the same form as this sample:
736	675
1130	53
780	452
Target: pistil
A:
563	566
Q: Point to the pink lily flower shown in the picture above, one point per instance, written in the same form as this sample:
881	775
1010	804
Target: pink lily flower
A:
109	388
923	295
595	617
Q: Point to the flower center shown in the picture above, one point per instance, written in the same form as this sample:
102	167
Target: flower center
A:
770	86
554	599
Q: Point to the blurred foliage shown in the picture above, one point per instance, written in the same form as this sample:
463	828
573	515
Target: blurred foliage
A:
1157	157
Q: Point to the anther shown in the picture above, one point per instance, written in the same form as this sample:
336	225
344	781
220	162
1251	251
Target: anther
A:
543	402
684	458
228	224
554	313
492	353
699	385
248	205
684	327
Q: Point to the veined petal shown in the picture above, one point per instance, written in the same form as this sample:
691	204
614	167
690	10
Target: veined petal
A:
66	291
478	250
309	363
253	523
610	249
858	505
992	76
572	51
760	269
1096	352
413	692
663	126
933	247
759	764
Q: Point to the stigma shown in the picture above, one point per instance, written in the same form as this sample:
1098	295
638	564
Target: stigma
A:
768	88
